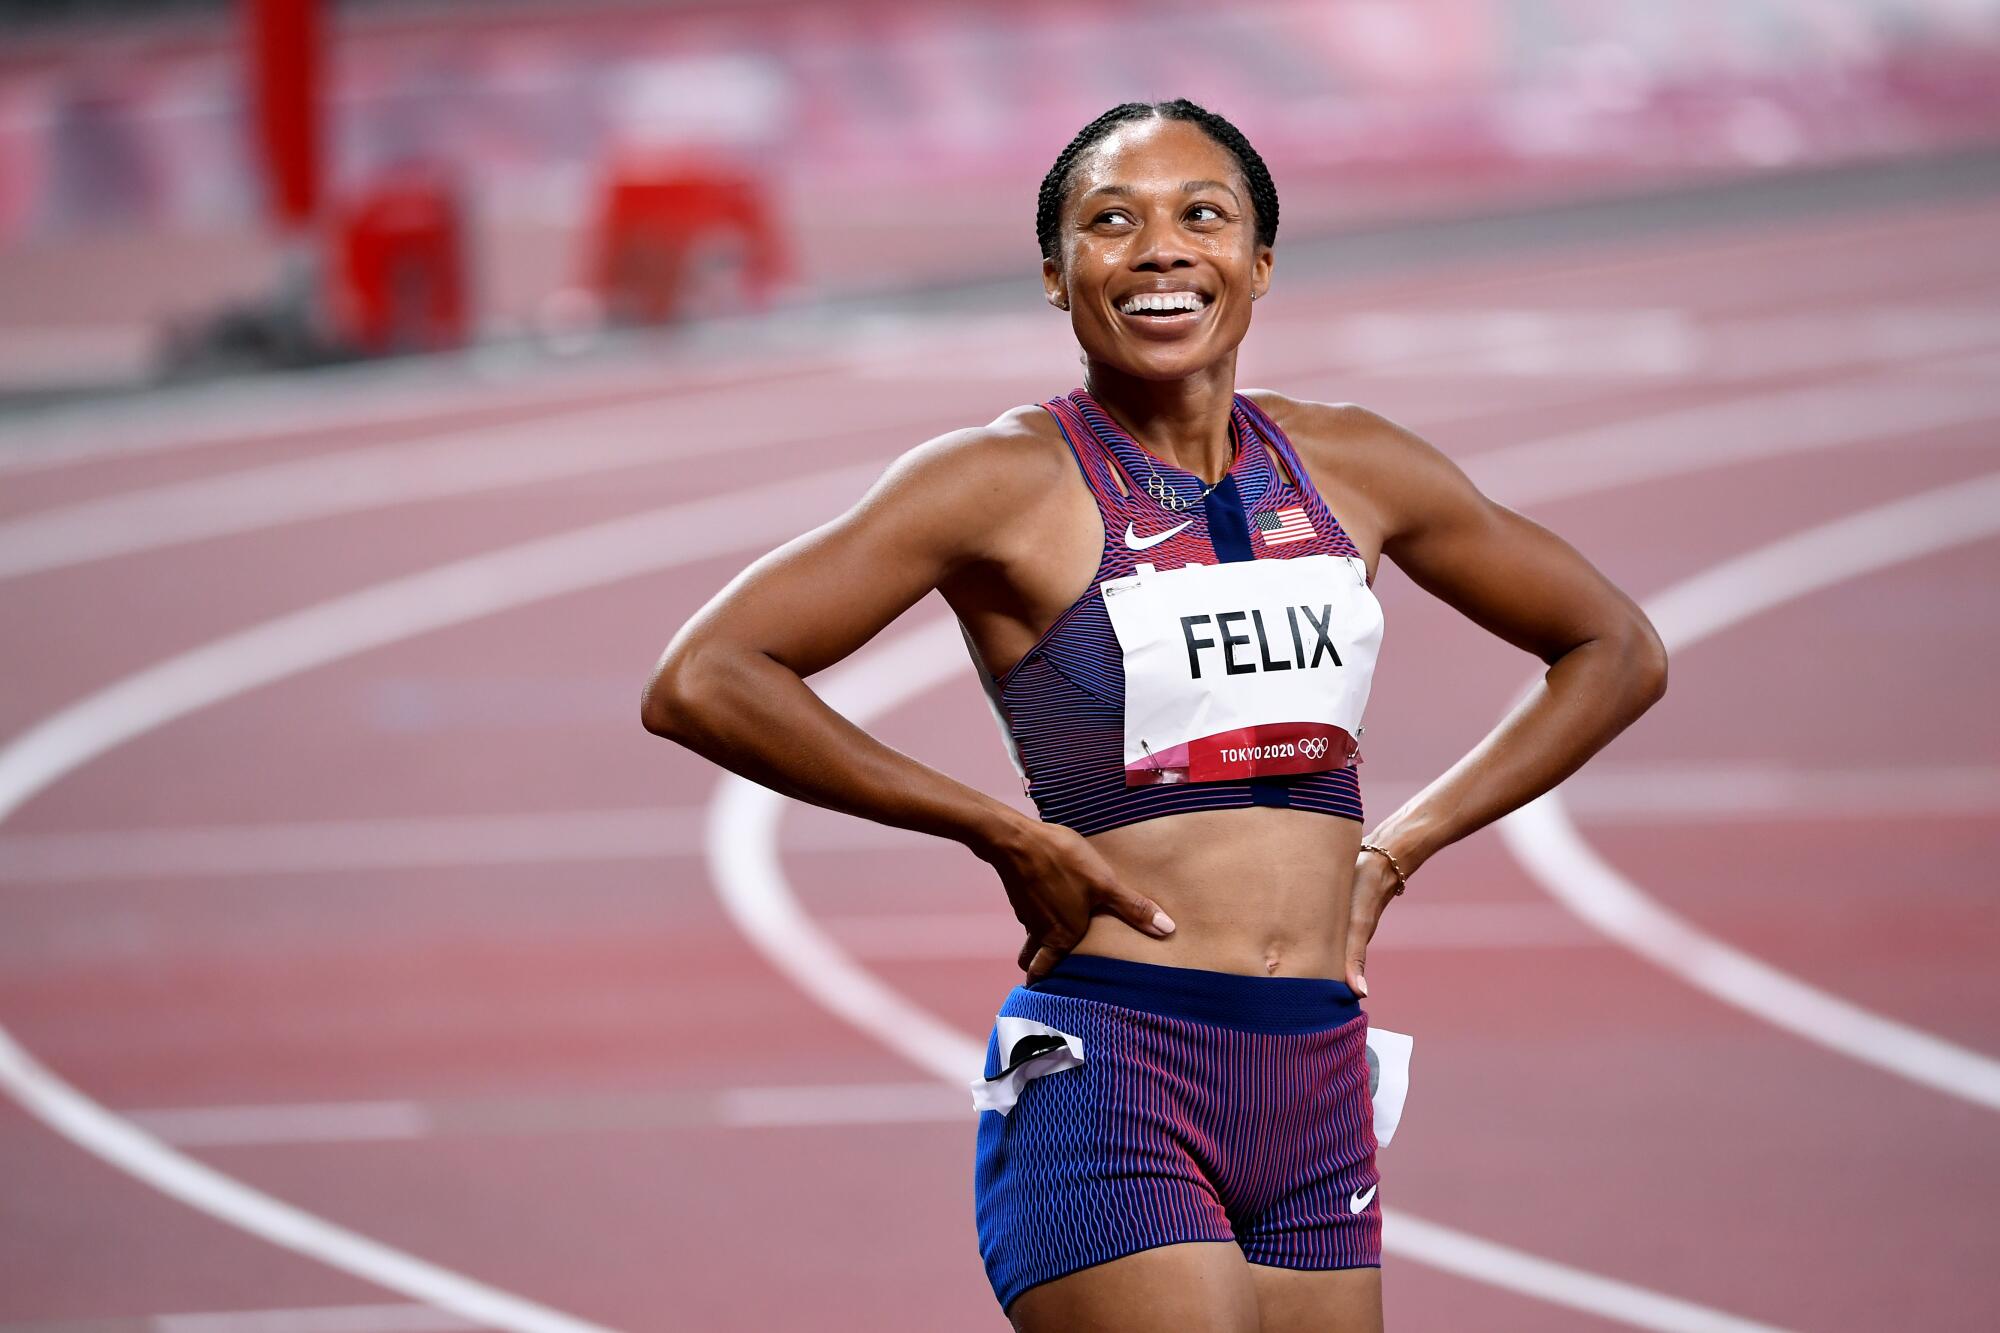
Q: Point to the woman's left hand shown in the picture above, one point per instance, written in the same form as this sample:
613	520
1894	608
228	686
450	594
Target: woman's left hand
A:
1374	885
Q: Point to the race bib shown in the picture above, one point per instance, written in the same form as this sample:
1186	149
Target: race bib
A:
1246	668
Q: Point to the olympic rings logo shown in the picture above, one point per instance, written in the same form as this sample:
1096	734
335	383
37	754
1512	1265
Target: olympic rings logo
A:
1312	747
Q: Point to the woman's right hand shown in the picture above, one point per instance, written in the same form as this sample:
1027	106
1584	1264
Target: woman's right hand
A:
1056	882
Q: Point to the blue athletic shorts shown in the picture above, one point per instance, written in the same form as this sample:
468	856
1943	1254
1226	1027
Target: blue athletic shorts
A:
1147	1105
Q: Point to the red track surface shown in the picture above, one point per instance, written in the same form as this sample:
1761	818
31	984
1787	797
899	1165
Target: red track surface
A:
562	1027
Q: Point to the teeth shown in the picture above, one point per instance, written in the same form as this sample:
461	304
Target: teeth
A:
1161	301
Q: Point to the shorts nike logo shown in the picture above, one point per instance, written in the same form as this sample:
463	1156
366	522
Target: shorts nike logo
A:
1138	543
1357	1202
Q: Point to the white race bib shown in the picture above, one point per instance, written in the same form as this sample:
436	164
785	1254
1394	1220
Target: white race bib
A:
1245	668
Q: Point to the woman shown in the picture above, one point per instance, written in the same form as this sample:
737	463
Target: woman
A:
1177	634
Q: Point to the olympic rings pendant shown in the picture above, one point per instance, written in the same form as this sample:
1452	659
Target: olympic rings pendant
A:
1169	498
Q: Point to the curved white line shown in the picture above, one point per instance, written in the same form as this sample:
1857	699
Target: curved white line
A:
124	1145
750	879
385	613
1546	841
373	617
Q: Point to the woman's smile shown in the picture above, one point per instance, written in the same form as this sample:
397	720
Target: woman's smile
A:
1164	312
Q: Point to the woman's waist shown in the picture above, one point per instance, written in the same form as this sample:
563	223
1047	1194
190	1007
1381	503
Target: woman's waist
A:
1279	858
1255	1003
1244	948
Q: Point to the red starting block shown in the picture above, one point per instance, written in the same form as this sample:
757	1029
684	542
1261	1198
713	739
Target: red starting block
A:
397	280
681	237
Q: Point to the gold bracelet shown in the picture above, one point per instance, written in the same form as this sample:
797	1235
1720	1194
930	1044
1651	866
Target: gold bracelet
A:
1402	882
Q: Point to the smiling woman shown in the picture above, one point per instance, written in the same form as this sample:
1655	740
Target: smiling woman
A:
1165	586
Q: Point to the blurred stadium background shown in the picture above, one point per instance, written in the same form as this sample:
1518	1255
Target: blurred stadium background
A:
135	188
381	383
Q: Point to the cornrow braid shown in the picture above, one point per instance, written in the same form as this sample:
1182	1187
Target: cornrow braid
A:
1055	185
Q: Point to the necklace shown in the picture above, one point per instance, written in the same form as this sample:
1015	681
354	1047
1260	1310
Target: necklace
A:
1168	497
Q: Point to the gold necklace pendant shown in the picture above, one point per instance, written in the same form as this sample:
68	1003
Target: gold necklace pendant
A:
1168	497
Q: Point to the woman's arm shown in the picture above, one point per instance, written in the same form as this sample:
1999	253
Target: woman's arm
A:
1515	578
731	686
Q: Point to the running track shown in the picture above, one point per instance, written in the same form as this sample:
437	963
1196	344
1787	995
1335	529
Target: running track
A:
335	861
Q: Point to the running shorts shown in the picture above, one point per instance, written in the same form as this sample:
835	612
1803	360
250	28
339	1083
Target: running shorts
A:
1127	1105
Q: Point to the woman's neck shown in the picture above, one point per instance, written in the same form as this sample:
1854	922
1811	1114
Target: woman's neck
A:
1184	422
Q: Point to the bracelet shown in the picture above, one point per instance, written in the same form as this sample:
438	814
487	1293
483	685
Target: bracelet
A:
1402	881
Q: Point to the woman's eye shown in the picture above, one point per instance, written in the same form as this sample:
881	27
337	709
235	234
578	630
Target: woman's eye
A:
1200	213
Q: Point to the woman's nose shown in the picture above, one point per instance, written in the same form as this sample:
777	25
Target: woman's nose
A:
1161	246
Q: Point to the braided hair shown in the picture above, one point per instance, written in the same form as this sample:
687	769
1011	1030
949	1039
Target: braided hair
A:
1055	185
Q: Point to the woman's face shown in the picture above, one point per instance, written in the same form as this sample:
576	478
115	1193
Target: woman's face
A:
1157	209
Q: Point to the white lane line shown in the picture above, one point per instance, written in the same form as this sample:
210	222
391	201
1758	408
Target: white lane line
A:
321	1319
1722	791
330	400
841	1104
269	1124
286	404
749	877
1741	430
312	1319
376	477
1547	843
1982	366
301	1122
745	868
1727	791
143	1156
384	613
313	847
1659	341
423	388
1558	1284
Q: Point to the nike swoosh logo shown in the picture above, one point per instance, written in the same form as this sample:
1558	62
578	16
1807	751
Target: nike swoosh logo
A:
1357	1202
1138	543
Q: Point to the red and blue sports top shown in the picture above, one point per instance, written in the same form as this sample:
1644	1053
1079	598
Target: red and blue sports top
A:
1061	708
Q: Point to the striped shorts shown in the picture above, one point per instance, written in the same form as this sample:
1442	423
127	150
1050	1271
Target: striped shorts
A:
1128	1105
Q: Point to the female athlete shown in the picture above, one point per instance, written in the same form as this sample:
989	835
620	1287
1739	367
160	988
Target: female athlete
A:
1165	586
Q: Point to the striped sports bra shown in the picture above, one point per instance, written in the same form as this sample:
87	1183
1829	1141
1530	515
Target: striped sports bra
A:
1062	708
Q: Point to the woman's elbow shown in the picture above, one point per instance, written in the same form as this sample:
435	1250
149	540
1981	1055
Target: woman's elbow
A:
667	706
1647	657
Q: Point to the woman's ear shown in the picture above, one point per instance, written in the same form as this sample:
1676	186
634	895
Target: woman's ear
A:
1260	272
1053	285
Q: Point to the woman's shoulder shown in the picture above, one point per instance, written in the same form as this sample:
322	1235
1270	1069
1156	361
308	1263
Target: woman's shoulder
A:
1310	424
1378	466
1021	449
1347	438
979	488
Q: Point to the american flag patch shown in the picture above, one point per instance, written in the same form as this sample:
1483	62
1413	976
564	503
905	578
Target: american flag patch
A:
1284	525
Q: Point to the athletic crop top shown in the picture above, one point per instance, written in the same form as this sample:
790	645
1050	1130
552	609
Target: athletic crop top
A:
1237	670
